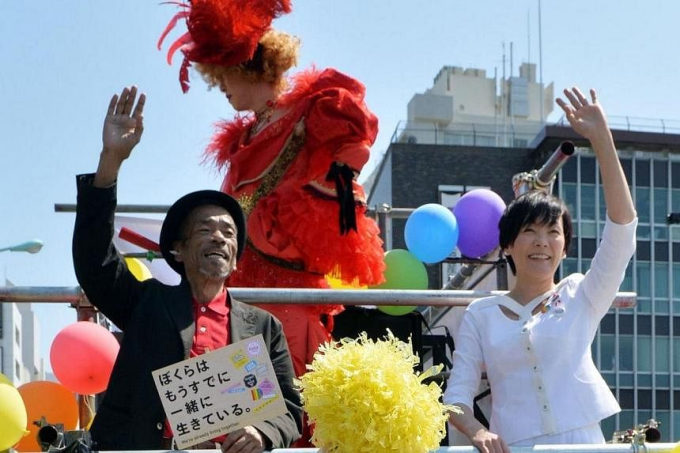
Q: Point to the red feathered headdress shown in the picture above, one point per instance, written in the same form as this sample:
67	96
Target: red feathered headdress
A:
221	32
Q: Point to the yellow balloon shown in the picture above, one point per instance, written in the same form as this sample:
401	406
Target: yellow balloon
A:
13	418
138	269
336	283
5	380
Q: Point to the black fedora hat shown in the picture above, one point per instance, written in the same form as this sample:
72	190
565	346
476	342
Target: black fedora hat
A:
178	212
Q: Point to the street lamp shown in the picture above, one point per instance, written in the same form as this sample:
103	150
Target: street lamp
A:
32	246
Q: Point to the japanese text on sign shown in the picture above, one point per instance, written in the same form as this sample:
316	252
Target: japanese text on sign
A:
219	392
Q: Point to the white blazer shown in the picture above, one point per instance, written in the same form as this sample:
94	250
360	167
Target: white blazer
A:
540	368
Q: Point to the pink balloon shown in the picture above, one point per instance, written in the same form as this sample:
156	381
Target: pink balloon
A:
82	357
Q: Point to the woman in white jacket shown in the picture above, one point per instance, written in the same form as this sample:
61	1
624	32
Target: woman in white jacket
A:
535	341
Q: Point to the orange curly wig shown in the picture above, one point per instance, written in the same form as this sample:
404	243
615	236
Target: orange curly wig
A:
276	53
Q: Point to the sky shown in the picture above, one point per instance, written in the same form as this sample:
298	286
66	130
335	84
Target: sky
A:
62	61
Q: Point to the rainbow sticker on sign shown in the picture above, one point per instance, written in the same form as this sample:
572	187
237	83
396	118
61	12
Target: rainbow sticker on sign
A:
256	394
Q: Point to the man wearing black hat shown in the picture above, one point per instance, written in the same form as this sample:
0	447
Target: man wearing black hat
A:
202	237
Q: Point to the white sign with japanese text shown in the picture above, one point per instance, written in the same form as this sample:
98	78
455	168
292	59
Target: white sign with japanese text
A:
219	392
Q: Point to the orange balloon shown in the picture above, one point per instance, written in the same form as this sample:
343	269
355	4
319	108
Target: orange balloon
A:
50	400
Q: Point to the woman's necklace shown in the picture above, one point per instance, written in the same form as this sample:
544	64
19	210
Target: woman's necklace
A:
262	118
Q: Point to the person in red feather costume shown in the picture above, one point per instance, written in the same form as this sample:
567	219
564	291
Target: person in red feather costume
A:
291	156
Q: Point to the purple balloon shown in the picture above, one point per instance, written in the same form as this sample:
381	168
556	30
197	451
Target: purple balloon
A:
478	213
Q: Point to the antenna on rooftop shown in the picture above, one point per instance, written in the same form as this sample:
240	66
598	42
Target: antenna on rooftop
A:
540	61
528	36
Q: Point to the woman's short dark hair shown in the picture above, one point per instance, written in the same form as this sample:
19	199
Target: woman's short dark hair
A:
534	207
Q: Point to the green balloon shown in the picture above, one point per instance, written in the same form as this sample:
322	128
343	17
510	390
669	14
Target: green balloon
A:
396	310
404	271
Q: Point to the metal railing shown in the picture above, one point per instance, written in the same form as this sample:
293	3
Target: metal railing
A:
399	297
431	298
637	124
512	135
468	134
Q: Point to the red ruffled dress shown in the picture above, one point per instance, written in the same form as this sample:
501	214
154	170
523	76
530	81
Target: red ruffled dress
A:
294	237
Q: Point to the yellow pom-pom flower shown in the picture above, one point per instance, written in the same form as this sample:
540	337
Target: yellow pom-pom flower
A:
364	396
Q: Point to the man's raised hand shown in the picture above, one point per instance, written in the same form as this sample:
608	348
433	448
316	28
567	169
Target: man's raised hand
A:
124	123
123	129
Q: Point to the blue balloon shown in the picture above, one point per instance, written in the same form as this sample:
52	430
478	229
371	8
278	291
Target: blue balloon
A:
431	233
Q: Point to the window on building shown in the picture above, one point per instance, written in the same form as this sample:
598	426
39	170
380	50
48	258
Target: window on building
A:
643	271
663	381
661	210
661	280
588	229
661	353
644	305
587	201
588	247
661	232
17	370
610	379
627	379
568	172
643	232
587	170
643	251
644	325
663	399
642	173
644	353
607	357
626	420
660	251
661	325
675	200
625	353
642	203
570	198
608	426
627	398
676	355
627	283
570	266
608	324
626	324
661	174
676	402
664	418
644	399
675	176
644	379
17	336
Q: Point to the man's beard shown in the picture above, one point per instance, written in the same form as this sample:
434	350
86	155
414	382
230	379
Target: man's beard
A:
217	274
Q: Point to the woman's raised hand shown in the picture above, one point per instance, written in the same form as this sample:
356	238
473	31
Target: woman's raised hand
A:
586	117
